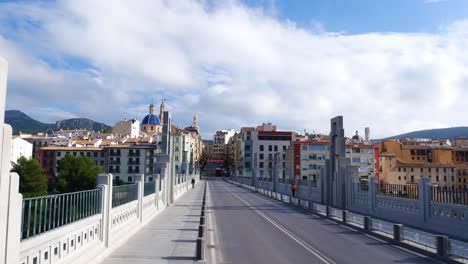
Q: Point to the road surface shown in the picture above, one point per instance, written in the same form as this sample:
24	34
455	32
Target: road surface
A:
250	228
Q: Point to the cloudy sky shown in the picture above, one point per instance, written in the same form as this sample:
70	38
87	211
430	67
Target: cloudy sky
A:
393	65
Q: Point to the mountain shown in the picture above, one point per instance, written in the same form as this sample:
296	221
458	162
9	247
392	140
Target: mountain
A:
440	133
22	122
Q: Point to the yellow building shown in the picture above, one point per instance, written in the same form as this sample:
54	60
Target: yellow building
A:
404	162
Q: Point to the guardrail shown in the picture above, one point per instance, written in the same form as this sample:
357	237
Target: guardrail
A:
124	194
440	246
149	188
45	213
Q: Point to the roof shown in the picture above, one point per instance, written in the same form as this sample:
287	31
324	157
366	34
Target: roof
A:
423	164
275	133
151	119
124	146
71	149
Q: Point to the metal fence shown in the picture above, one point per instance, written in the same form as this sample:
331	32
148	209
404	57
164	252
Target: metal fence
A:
149	188
450	195
362	186
42	214
399	190
124	194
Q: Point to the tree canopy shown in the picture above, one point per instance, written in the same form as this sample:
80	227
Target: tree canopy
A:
33	181
77	173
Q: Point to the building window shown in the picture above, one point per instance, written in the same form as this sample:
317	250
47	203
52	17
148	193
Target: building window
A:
421	169
270	148
261	165
261	147
284	148
429	169
412	178
59	154
261	156
130	179
399	178
276	147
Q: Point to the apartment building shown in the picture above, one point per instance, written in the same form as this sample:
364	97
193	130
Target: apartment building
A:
220	140
305	158
263	150
405	161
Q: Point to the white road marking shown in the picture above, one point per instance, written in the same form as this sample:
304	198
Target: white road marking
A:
301	242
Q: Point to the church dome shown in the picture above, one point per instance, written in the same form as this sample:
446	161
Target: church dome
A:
151	119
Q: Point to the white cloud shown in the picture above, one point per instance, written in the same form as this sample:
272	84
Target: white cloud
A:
236	66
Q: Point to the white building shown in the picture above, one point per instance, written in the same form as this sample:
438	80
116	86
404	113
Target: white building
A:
127	128
20	147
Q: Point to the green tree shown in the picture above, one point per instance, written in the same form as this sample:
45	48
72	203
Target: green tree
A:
33	181
77	173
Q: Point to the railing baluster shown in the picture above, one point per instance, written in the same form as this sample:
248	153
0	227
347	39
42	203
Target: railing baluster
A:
40	217
35	214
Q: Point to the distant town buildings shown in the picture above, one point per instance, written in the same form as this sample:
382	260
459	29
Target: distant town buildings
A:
129	150
127	128
404	161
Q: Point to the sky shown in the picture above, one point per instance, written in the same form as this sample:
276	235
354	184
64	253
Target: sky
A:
395	66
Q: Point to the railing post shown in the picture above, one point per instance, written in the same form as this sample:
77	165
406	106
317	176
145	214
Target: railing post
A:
140	180
104	182
156	192
424	197
13	225
372	192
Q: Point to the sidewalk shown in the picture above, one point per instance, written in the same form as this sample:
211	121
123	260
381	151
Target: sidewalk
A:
169	238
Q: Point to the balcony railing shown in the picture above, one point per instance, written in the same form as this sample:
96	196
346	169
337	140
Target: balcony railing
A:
42	214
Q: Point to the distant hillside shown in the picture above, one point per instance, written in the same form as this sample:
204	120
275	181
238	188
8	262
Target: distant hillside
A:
22	122
440	133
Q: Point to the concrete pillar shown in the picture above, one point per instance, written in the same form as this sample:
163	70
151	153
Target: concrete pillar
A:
425	197
372	194
140	181
398	232
156	191
104	182
9	190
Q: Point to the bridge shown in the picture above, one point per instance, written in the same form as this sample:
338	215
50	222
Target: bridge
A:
241	219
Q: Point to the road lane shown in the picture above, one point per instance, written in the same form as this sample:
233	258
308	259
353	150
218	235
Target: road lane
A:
245	224
244	236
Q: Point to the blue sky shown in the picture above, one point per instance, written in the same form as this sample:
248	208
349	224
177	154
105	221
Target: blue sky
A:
361	16
293	63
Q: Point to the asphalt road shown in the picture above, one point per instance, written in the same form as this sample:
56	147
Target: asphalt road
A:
250	228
